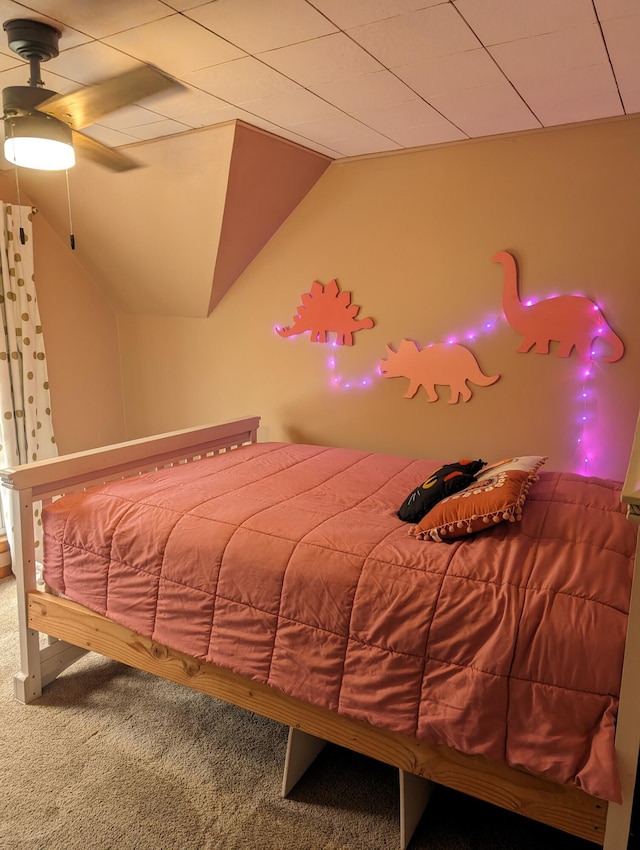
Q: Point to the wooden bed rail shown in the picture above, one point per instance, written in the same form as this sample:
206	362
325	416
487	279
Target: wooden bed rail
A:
58	475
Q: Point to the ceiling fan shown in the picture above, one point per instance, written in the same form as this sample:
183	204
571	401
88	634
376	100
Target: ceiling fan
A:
42	128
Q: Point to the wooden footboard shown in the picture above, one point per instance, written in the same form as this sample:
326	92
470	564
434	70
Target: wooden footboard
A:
75	630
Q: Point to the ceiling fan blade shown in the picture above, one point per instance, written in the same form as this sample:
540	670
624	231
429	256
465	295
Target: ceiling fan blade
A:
86	106
110	158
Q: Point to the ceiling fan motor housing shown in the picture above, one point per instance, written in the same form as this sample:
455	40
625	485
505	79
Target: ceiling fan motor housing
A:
23	100
32	39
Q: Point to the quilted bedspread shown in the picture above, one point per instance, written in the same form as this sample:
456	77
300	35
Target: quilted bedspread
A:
288	564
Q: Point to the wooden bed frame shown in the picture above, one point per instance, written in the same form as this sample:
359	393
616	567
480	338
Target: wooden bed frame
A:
73	630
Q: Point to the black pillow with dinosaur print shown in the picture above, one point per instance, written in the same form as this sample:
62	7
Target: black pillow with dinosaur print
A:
448	479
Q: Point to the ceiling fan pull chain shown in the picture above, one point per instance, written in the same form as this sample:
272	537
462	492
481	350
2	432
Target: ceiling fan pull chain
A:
23	239
72	238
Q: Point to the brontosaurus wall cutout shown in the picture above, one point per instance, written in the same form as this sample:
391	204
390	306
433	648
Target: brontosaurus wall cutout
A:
324	310
572	320
441	363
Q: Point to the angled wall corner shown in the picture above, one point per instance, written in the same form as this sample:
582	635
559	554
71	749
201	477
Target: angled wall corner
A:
268	177
170	238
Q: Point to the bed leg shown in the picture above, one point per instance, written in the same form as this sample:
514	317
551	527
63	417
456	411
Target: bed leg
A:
302	750
28	682
414	796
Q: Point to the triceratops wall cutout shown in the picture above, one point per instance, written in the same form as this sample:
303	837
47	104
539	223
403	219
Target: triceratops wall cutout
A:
571	320
440	363
326	310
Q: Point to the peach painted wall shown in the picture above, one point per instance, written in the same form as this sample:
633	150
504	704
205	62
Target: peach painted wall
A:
412	237
81	340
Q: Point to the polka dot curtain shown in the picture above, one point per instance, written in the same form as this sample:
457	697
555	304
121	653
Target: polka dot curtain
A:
26	430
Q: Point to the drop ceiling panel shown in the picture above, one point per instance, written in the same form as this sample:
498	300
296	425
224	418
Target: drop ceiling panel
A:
291	107
175	44
101	19
623	40
407	39
608	9
400	116
496	21
242	80
372	143
486	111
328	130
354	13
585	108
413	72
577	47
155	129
365	91
323	60
259	25
89	63
573	84
427	134
455	72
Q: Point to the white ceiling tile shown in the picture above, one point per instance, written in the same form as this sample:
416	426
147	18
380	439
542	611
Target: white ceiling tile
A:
307	143
606	105
457	71
427	134
623	37
486	110
187	101
365	91
572	48
608	9
259	25
7	62
574	84
631	101
323	60
354	13
157	129
420	35
109	137
386	119
182	5
495	21
242	80
128	116
292	107
218	116
93	62
101	19
372	143
175	44
327	130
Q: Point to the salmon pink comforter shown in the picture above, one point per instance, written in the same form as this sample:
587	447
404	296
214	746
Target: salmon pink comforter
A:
288	564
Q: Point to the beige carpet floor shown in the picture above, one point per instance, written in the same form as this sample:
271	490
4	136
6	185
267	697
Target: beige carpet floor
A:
114	759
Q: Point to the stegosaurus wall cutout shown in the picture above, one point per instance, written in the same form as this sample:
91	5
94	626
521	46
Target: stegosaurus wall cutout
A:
326	310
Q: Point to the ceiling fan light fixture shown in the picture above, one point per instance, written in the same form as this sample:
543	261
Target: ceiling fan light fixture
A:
38	141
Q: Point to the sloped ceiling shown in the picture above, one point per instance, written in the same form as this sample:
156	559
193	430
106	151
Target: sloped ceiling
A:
172	237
